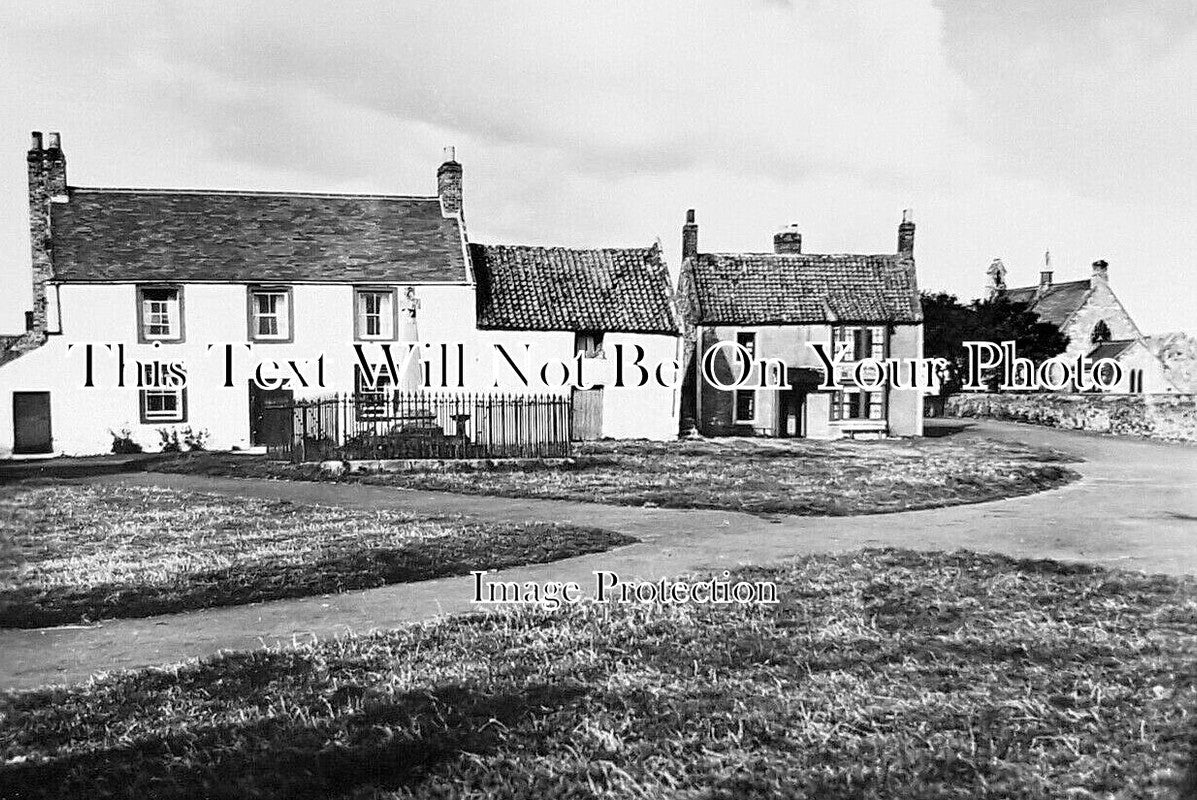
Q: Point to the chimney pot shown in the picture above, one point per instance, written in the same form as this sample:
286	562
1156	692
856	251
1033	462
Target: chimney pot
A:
1101	269
55	141
36	142
450	154
788	240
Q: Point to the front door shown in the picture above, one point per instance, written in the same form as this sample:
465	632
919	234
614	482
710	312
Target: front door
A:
269	426
791	410
31	423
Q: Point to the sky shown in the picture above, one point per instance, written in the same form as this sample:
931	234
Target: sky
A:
1010	127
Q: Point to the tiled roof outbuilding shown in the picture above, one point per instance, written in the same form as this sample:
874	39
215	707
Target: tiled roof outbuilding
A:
562	289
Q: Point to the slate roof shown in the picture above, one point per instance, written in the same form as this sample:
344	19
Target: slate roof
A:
559	289
1058	303
1111	349
806	288
242	237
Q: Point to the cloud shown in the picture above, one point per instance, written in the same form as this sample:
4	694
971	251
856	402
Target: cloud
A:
1010	127
1096	94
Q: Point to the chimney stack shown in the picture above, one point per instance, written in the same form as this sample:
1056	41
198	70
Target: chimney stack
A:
41	163
788	240
448	183
1045	275
906	234
1101	272
689	236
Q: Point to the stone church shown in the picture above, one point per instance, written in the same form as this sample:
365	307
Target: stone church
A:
1096	323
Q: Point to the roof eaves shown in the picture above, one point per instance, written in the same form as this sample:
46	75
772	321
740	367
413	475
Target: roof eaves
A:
248	193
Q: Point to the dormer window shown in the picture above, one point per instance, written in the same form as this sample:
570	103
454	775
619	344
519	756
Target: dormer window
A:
589	343
374	314
270	314
159	314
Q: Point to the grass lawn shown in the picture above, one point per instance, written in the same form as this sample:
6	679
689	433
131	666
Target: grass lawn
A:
884	674
70	553
760	476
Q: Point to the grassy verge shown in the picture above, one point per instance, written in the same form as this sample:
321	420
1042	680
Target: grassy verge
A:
761	476
880	674
77	553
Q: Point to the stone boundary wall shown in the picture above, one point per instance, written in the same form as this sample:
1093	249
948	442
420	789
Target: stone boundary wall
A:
1159	416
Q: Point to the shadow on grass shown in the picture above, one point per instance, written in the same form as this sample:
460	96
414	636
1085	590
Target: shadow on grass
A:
940	429
378	744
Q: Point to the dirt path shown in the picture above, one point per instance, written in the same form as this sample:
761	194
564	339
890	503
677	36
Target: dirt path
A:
1135	507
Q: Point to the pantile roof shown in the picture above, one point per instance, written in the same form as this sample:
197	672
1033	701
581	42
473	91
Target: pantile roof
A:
805	288
109	235
561	289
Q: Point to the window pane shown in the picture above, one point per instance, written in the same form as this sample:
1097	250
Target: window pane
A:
160	313
748	342
745	405
163	405
270	315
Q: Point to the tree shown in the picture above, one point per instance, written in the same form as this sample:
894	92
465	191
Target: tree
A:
948	324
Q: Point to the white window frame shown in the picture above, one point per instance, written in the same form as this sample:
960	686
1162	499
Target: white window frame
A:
169	314
178	414
386	316
282	314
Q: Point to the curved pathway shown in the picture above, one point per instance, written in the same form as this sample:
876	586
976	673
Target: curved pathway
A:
1135	507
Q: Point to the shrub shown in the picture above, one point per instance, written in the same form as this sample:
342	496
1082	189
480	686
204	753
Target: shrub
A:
195	439
170	440
122	442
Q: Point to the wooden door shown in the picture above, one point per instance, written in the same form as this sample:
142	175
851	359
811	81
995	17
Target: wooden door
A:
588	414
31	423
269	424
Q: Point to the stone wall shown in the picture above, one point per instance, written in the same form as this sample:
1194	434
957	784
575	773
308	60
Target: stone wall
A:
1160	416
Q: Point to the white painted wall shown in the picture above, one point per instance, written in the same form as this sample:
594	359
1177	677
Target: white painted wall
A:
214	314
629	411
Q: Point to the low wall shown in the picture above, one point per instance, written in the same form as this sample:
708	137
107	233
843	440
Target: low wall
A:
1160	416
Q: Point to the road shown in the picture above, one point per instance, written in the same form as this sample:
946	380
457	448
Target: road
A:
1135	507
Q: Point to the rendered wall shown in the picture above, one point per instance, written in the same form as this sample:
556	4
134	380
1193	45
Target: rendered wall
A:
214	314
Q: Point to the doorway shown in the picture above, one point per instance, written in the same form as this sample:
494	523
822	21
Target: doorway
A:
588	414
791	413
268	426
31	423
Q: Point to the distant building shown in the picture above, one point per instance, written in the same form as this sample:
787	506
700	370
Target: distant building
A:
1096	323
774	305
